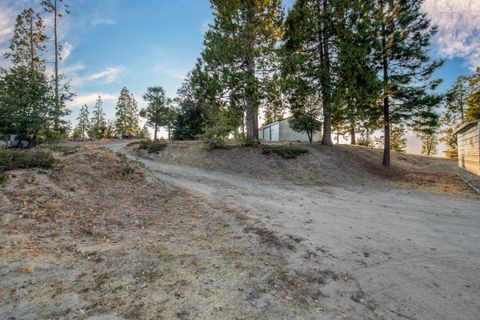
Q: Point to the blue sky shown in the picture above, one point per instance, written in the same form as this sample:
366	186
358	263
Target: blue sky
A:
114	43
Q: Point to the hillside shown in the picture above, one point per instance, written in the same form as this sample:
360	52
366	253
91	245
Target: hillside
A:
341	165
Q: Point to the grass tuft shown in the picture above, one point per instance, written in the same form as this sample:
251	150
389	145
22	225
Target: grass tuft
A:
65	150
150	146
21	159
286	152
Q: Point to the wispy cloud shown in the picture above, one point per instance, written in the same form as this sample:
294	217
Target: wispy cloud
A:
71	69
90	98
458	24
175	73
96	21
106	76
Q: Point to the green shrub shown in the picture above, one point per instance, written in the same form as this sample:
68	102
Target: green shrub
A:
286	152
3	177
152	146
249	142
65	150
134	143
20	159
216	143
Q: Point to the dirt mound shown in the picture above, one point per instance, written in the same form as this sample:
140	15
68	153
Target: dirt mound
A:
97	237
343	165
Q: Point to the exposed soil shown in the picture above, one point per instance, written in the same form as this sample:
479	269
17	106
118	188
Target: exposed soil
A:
340	166
408	237
99	237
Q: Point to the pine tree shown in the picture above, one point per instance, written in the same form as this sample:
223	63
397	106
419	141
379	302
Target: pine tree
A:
456	99
126	122
473	101
98	123
157	113
144	133
404	66
240	47
110	129
274	101
306	55
398	141
25	91
55	7
83	125
430	142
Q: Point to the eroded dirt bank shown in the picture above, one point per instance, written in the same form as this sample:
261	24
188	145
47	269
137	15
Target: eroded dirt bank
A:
98	237
412	247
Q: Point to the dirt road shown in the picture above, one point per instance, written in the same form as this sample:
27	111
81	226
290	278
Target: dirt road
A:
416	255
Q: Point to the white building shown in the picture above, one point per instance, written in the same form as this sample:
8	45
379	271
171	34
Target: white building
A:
281	131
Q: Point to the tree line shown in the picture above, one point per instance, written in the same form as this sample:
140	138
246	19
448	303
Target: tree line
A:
361	66
358	66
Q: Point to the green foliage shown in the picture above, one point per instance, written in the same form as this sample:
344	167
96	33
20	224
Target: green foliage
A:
306	120
144	133
406	70
190	122
63	149
239	48
27	95
159	113
398	140
215	143
83	125
451	151
150	146
473	101
430	142
126	122
249	142
286	152
21	159
98	123
3	177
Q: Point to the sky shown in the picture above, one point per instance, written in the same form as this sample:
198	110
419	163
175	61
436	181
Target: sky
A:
109	44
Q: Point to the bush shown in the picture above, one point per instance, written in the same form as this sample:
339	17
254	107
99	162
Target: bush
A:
21	159
151	146
3	177
216	143
249	142
65	150
286	152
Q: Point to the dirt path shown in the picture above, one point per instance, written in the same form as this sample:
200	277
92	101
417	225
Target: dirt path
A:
415	255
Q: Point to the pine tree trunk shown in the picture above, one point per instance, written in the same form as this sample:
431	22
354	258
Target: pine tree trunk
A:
251	105
326	85
155	133
386	106
353	139
57	103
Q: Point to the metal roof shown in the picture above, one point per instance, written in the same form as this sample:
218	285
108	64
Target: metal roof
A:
466	126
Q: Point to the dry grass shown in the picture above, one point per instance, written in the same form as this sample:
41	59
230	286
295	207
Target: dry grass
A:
91	238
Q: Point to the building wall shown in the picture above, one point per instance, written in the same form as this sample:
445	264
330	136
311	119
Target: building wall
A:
281	131
469	149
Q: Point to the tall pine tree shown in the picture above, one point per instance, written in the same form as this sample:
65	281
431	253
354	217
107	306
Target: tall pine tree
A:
98	123
126	122
404	35
83	125
240	46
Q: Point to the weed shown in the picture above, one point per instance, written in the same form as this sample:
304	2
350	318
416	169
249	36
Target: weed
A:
150	146
249	142
3	177
65	150
21	159
286	152
216	143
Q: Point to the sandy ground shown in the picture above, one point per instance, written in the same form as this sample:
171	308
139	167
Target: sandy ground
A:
414	253
100	237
